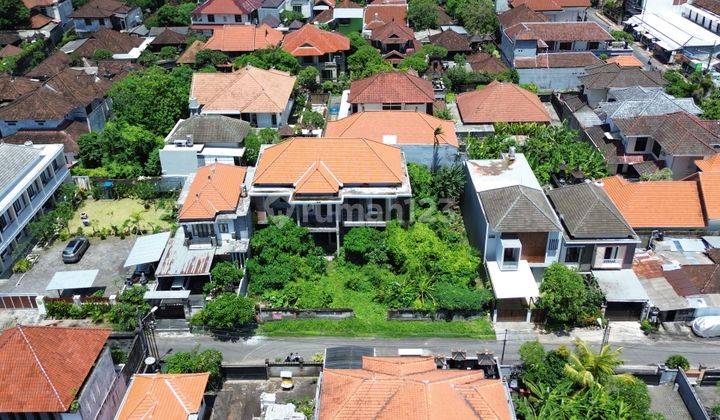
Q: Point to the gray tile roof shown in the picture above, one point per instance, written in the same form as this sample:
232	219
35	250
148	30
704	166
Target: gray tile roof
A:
15	160
518	209
588	213
211	129
637	101
604	76
679	133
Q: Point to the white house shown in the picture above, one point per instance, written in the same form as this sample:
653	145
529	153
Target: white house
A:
510	221
110	14
202	140
29	177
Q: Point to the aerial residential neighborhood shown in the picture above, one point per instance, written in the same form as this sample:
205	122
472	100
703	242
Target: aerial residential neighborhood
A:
359	209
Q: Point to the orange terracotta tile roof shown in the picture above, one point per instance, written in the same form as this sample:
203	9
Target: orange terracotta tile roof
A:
709	164
380	14
248	89
409	127
215	189
501	102
42	369
709	183
227	7
324	165
163	396
648	204
392	32
243	38
391	87
624	61
37	3
400	388
39	20
313	41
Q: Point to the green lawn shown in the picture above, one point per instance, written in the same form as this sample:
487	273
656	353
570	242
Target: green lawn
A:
371	320
106	213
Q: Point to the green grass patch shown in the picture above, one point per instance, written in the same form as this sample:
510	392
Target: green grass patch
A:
370	319
106	213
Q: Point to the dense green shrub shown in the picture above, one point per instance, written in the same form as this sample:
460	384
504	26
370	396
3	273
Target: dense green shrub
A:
226	312
196	361
677	361
365	245
223	277
461	298
275	57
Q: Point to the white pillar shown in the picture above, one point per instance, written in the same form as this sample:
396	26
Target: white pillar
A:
76	300
40	302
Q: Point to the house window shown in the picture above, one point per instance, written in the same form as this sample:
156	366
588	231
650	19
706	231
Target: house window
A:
224	228
19	205
3	223
12	123
552	245
565	46
611	253
273	118
572	255
238	18
297	9
394	107
40	122
640	144
88	22
211	18
32	191
550	45
593	45
657	149
509	255
203	230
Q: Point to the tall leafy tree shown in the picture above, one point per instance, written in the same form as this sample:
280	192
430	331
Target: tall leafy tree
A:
154	98
13	14
267	58
566	298
423	14
587	368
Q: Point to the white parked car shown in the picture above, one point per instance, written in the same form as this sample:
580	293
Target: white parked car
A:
707	326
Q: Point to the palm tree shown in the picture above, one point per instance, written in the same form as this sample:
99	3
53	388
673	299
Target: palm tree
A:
588	369
436	144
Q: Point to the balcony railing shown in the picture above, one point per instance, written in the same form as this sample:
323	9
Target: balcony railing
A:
612	261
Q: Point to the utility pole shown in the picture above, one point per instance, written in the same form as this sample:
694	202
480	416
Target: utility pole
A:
606	335
502	356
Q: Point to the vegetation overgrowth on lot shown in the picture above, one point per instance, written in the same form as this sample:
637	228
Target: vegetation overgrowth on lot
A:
425	265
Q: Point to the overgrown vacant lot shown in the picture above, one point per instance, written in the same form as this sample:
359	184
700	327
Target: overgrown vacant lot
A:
370	319
104	214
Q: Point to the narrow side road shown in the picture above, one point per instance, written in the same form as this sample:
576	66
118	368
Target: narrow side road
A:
257	349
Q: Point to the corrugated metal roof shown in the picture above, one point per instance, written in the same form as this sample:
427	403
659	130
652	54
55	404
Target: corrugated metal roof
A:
620	286
179	260
147	249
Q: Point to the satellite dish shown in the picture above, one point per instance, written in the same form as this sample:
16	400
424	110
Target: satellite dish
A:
149	361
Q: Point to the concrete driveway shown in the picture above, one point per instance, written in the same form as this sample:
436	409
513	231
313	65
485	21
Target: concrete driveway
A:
106	255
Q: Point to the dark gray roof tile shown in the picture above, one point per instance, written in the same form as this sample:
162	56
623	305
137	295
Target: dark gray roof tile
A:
518	209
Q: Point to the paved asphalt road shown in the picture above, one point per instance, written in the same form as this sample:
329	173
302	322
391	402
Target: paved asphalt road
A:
257	349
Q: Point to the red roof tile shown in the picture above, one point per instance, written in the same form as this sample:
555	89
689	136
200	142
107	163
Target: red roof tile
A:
646	204
484	62
558	31
313	41
164	396
391	87
42	369
215	189
227	7
409	127
501	102
520	14
397	32
380	14
243	38
401	388
550	5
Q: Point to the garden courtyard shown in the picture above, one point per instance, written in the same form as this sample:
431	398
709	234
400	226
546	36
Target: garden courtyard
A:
123	213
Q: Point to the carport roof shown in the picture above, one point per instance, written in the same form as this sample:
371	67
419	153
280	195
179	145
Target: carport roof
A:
78	279
512	284
620	286
147	249
346	357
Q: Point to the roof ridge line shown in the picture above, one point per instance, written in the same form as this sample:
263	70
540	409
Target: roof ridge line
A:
392	171
177	395
42	369
536	206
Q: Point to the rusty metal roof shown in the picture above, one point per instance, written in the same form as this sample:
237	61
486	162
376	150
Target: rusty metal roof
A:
179	260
